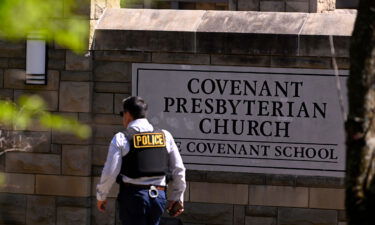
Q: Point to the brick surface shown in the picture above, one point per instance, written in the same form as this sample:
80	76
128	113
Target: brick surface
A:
41	210
112	193
181	58
278	196
287	216
103	134
261	211
301	62
12	49
6	94
248	5
65	138
85	117
77	62
13	208
50	97
204	213
56	64
240	60
1	78
18	183
84	202
56	53
239	215
33	163
108	119
112	71
63	185
219	193
107	218
15	78
76	160
112	87
297	6
75	96
99	154
323	182
17	63
76	76
229	177
272	6
125	56
118	102
3	62
327	198
250	220
280	180
103	103
73	216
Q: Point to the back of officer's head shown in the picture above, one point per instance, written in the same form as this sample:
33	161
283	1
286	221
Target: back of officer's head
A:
136	106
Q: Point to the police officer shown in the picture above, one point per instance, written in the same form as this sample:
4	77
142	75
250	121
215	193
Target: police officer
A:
140	158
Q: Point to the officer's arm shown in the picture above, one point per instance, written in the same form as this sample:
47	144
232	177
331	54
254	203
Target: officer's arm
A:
111	168
178	184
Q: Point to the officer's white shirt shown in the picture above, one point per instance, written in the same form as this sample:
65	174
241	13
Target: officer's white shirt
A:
119	147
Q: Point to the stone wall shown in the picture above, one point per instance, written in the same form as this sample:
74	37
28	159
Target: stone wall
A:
55	182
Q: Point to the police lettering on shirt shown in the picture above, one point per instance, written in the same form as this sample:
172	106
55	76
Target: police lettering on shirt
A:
149	140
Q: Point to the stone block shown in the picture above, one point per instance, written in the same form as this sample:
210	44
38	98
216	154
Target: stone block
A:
73	216
261	211
301	62
66	138
15	78
327	198
85	118
112	193
76	76
41	210
280	180
1	78
103	103
78	62
19	162
122	56
13	208
99	154
108	119
56	149
239	215
320	182
240	60
6	94
76	160
84	202
2	164
75	96
342	215
219	193
50	97
103	134
181	58
278	196
26	141
297	6
12	49
107	218
17	183
112	87
55	53
248	5
250	220
3	62
287	216
272	6
234	177
112	71
17	63
118	102
204	213
56	64
63	185
342	223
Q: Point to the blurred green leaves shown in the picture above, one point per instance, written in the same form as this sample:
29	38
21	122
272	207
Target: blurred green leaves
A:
28	109
52	18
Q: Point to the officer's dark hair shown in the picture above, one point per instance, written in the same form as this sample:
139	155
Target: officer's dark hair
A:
136	106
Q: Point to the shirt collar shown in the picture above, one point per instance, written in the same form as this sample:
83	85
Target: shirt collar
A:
143	122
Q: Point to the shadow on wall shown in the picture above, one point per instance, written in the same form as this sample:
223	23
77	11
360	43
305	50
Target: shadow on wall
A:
346	4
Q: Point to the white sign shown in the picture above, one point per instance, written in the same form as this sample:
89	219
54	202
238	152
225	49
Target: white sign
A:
243	119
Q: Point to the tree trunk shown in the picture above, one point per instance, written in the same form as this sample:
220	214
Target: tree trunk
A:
360	126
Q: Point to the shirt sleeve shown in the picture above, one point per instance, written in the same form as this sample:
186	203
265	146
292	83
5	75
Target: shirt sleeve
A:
111	168
177	169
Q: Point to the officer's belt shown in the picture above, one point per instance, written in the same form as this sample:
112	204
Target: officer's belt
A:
160	188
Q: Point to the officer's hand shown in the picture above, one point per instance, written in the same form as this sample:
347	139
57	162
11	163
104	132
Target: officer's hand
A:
175	208
101	205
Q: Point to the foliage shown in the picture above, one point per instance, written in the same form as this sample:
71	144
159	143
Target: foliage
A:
28	109
54	19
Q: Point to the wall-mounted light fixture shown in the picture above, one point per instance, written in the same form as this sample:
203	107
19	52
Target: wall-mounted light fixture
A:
35	59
